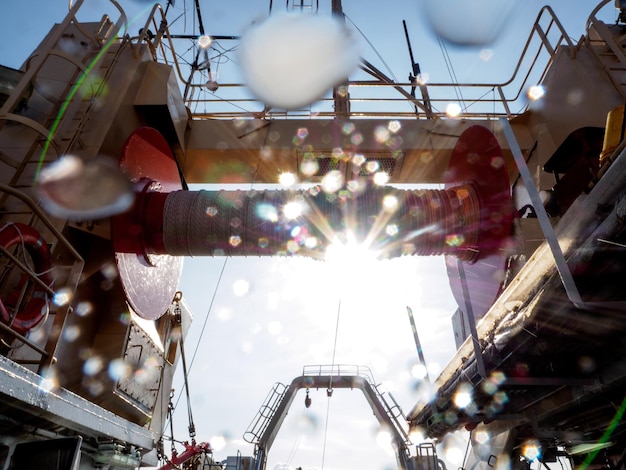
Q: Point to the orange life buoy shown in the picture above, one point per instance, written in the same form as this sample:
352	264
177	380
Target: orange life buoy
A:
35	308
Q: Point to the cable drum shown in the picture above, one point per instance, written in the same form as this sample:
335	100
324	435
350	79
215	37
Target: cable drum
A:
240	223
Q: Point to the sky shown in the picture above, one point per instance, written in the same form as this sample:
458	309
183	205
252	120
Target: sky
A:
258	321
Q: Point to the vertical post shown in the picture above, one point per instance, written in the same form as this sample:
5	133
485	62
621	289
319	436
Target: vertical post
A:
341	95
418	344
542	216
471	321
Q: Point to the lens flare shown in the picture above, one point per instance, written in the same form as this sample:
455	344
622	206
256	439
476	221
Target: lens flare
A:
204	42
531	450
463	396
287	179
536	92
453	110
293	210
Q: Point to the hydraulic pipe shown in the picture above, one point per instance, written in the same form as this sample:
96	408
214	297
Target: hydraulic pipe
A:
191	450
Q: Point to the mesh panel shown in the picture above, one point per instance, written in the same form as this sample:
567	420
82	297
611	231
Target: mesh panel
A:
386	164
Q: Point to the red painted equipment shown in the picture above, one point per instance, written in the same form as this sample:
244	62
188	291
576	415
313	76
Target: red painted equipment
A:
191	450
470	219
35	308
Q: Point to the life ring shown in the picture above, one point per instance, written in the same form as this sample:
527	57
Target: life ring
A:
36	308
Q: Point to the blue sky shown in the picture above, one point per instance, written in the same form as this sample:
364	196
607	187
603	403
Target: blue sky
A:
263	319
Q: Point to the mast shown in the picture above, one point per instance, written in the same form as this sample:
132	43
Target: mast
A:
341	95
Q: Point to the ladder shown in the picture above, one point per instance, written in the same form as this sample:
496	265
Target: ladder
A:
42	118
608	48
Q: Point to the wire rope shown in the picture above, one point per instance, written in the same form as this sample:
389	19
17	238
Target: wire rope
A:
451	72
373	48
330	385
294	450
325	433
195	352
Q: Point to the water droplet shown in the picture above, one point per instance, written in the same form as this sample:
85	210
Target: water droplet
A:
372	166
453	110
332	181
357	138
358	159
381	178
463	396
309	167
241	287
217	443
71	333
204	42
459	22
291	60
293	209
486	55
454	240
531	450
93	365
287	179
119	370
497	162
381	134
83	309
348	128
84	190
390	202
392	230
49	381
394	126
536	92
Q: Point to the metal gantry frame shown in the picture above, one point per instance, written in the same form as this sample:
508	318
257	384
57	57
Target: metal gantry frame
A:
488	100
265	426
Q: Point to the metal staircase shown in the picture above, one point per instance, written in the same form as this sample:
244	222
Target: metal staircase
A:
42	117
607	45
47	109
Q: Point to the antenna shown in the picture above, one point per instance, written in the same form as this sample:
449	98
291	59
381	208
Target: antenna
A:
416	72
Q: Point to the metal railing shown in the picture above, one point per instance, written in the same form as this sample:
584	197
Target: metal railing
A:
609	53
259	424
73	267
339	370
373	96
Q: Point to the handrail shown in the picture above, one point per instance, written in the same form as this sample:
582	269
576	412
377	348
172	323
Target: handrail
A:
602	31
338	370
122	21
494	100
77	268
156	42
594	12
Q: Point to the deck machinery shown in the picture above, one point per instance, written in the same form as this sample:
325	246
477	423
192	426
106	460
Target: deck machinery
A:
91	322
